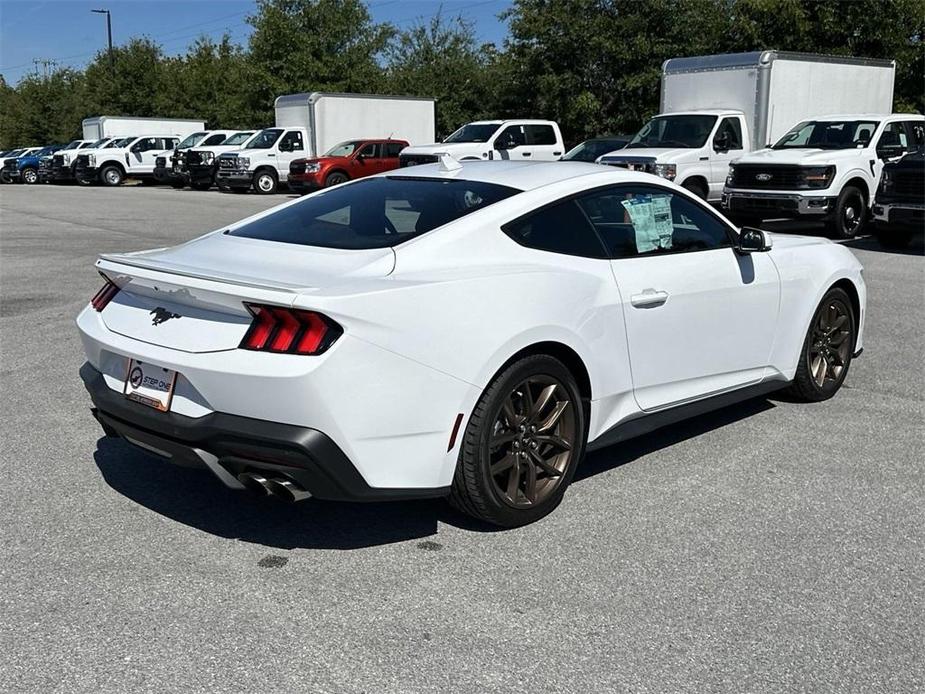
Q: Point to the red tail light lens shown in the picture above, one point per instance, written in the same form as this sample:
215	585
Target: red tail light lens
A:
104	295
289	330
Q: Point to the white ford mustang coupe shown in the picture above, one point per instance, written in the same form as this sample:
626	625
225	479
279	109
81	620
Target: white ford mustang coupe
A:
461	330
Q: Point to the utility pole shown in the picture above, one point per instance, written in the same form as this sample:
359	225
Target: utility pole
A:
112	62
45	65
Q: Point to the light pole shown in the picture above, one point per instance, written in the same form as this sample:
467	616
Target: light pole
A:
112	62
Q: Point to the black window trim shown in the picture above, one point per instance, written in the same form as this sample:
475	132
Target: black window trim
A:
732	234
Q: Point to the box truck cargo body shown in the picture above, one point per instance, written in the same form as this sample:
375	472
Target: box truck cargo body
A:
124	126
715	109
310	124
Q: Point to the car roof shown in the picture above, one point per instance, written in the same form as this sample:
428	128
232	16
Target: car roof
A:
515	174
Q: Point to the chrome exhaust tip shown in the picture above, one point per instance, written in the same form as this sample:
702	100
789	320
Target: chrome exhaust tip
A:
255	483
286	489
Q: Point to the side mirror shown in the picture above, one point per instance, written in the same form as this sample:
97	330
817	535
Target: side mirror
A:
753	240
721	143
503	143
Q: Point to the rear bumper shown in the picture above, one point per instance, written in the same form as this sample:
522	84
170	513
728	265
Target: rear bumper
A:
904	214
240	444
771	205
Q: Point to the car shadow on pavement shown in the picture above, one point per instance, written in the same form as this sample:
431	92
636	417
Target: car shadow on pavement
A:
869	243
196	498
614	456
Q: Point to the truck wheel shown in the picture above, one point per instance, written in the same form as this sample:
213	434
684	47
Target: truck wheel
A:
265	182
30	176
335	179
111	175
5	178
850	214
695	187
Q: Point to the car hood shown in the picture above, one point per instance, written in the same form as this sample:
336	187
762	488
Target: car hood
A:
659	154
807	157
441	147
793	240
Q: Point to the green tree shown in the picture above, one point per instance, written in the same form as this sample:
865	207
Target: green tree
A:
137	86
442	59
312	45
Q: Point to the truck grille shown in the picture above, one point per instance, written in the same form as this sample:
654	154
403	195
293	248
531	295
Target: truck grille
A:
767	177
57	160
83	161
415	159
9	164
45	164
160	163
193	158
908	185
228	162
297	167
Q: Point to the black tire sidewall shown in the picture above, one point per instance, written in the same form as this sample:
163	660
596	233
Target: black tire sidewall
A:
823	393
502	512
695	188
257	188
335	179
34	172
837	224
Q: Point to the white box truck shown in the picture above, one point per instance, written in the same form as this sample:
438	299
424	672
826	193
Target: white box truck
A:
308	125
717	108
125	126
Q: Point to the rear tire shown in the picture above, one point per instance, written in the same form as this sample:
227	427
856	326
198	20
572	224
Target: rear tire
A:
850	214
827	350
265	182
521	445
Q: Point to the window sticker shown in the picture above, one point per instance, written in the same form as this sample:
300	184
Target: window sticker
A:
651	218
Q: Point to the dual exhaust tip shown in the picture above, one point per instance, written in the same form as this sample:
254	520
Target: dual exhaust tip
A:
280	487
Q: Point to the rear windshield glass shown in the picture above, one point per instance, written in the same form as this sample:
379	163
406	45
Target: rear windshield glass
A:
375	212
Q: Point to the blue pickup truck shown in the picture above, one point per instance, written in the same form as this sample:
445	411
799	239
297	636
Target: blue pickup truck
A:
25	167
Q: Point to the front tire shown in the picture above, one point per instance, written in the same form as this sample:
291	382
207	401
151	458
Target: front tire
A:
111	176
335	179
522	444
827	350
30	176
696	187
265	182
850	214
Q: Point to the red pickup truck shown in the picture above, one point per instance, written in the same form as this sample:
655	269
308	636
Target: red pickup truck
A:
343	162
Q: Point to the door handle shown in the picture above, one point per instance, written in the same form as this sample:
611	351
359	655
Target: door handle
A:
649	299
528	154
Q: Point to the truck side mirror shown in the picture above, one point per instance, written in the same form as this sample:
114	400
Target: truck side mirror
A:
721	143
285	146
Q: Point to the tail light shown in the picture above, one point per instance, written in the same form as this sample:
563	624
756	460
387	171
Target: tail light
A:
104	295
289	330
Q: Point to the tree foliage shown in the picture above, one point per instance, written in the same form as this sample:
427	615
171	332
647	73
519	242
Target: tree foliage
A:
593	65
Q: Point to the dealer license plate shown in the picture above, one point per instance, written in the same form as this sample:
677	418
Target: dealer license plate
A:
150	385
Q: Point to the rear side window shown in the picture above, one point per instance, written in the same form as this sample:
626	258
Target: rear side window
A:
374	212
393	148
560	228
540	134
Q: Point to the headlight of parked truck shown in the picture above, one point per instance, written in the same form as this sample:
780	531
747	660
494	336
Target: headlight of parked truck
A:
91	159
668	171
244	162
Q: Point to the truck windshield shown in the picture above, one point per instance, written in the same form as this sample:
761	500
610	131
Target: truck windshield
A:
374	212
689	131
265	139
344	149
124	142
99	143
589	150
74	145
238	138
474	132
191	141
829	134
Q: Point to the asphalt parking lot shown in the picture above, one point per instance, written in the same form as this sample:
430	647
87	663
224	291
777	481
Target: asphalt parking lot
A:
769	547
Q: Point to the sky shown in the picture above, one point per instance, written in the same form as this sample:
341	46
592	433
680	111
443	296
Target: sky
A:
67	32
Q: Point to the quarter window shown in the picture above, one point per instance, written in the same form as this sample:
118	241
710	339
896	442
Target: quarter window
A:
393	148
646	220
539	135
560	228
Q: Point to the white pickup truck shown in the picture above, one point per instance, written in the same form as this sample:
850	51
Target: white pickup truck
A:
718	108
527	140
169	165
201	161
827	169
130	156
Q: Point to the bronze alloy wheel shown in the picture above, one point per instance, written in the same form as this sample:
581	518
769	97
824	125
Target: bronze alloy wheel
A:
829	347
532	441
